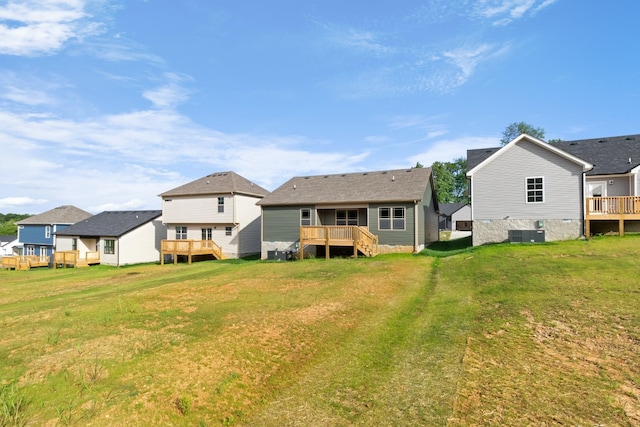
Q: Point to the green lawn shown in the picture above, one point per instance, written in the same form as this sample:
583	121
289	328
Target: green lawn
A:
499	335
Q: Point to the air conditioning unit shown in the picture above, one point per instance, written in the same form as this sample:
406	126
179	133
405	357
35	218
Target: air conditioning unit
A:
526	236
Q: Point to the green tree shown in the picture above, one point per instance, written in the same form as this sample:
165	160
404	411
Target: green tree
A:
516	129
8	223
451	180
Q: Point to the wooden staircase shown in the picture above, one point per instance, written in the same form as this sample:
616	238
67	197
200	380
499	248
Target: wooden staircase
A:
360	238
189	248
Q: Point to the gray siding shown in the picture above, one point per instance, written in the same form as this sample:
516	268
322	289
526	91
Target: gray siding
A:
281	223
429	224
499	188
394	237
616	185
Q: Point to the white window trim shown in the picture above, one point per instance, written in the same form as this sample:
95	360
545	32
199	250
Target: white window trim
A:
526	190
307	210
47	232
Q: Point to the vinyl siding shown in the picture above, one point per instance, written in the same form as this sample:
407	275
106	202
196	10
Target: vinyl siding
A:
621	186
428	224
35	234
142	244
499	188
282	223
248	218
394	237
198	209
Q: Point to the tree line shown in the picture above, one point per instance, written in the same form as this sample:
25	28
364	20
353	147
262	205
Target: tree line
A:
8	223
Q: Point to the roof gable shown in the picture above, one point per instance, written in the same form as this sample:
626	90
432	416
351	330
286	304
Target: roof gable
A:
399	185
218	183
491	154
65	214
110	223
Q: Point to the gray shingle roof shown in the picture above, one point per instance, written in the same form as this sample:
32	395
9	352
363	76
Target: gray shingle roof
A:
609	156
449	209
110	223
65	214
5	238
477	156
218	183
612	155
400	185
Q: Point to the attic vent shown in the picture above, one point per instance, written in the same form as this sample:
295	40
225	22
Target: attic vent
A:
366	173
326	176
629	138
573	143
384	172
602	141
306	177
343	175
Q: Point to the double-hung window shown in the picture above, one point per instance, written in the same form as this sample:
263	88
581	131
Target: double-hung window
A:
220	204
535	190
228	231
109	246
391	218
47	232
181	232
305	216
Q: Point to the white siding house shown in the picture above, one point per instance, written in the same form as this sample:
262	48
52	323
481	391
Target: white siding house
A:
121	237
219	207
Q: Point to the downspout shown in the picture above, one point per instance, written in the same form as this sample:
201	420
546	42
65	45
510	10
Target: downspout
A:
261	229
584	205
416	227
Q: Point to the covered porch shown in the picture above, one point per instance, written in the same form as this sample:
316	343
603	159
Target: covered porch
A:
189	248
612	209
358	237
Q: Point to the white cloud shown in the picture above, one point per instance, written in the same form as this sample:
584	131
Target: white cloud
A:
447	150
40	27
503	12
17	202
124	161
169	94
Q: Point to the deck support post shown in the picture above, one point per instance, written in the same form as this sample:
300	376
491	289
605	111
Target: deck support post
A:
327	246
621	226
301	249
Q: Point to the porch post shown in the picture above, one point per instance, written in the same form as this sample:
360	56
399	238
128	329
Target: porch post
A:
621	226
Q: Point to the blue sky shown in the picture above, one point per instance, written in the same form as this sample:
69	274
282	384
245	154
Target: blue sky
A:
104	104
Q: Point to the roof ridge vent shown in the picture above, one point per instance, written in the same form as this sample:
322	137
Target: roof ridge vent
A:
602	141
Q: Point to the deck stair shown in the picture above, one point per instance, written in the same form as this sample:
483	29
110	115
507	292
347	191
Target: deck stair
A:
358	237
189	248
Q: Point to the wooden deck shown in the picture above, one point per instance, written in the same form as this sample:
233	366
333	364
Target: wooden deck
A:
24	262
189	248
616	208
360	238
64	259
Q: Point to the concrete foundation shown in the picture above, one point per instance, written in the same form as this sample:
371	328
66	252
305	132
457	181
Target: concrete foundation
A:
497	230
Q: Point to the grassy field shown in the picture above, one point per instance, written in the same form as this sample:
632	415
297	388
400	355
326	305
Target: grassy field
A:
499	335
